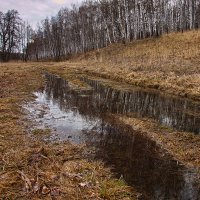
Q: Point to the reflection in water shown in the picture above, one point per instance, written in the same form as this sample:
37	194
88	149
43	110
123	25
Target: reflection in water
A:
143	164
81	114
179	113
174	112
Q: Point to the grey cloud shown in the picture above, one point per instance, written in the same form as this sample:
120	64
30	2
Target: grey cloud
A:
34	11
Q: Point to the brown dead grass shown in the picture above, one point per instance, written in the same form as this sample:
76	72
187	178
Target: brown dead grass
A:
33	169
170	63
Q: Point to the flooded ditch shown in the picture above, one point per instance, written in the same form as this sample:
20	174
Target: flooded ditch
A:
82	116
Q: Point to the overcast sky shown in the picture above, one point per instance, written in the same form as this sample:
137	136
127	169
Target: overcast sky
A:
35	10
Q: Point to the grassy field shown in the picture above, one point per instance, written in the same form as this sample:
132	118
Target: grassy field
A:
33	169
170	63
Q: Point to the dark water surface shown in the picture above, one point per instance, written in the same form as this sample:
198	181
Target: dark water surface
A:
174	112
81	116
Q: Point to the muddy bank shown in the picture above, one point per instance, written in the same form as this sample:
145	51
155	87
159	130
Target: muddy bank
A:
84	116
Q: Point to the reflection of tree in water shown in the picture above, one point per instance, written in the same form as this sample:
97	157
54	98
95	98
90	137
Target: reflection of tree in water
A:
174	112
140	160
79	101
142	163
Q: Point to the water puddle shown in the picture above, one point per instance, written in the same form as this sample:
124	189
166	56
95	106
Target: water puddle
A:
143	164
82	116
174	112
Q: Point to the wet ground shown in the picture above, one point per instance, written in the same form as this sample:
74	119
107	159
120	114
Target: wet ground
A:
82	116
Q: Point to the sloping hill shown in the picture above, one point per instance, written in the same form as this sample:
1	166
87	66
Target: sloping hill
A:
170	63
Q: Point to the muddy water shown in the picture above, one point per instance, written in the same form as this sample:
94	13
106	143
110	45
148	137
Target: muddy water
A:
82	116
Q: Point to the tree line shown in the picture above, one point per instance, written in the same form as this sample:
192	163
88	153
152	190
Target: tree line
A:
98	23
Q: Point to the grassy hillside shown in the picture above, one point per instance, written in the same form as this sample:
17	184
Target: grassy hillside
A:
170	63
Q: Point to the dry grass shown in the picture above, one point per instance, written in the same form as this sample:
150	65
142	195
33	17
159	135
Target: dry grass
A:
170	63
33	169
183	146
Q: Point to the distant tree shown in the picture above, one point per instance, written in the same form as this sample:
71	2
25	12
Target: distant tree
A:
10	33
